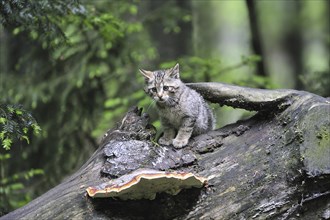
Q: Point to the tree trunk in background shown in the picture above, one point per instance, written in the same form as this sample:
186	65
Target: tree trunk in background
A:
175	43
293	43
3	51
256	39
205	29
3	57
274	165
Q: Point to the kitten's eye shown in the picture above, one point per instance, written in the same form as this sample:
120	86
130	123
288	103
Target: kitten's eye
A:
165	88
154	89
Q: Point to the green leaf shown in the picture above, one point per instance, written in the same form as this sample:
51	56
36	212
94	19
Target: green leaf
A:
133	9
10	109
16	186
36	128
25	130
2	135
6	143
3	120
112	102
25	138
33	172
4	157
18	112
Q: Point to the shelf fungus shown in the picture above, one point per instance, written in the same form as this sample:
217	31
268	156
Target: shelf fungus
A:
145	184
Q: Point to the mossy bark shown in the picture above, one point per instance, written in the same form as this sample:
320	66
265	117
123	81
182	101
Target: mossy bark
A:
275	165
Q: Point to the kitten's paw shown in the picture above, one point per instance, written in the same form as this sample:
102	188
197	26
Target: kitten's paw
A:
179	143
164	141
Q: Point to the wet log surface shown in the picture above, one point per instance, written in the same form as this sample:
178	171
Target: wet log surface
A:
275	165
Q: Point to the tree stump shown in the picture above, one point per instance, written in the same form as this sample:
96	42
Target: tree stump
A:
275	165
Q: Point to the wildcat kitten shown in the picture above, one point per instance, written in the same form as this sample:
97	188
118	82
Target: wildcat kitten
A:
183	112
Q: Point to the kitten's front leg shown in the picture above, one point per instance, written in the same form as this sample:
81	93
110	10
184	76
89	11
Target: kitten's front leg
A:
167	138
184	132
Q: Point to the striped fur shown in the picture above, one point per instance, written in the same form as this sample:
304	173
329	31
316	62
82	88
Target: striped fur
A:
183	112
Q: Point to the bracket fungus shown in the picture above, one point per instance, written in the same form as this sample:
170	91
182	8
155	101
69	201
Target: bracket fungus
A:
145	184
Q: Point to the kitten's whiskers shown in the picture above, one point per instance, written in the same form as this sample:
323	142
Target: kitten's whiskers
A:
153	101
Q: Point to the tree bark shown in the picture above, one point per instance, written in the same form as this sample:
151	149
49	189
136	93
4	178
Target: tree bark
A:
275	165
256	39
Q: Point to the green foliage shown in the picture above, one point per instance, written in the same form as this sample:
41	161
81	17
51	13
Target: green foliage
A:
169	15
16	124
22	15
318	82
197	69
13	192
70	67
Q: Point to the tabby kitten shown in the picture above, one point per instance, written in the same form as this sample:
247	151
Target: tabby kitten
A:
183	112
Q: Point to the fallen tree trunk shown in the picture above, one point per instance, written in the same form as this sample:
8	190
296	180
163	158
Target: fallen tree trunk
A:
275	165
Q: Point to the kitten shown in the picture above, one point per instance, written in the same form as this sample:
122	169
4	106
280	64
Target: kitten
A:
183	112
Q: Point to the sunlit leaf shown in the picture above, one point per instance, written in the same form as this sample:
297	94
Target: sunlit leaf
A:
2	120
6	143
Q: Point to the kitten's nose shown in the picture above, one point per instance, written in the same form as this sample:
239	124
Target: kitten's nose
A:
159	94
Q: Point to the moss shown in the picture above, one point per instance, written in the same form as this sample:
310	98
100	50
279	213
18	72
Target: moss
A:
318	156
324	137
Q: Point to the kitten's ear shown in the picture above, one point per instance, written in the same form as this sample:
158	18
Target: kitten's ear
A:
147	74
174	72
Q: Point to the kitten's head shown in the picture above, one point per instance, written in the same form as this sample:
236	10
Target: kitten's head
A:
162	85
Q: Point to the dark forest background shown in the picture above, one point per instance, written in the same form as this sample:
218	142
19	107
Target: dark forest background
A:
68	69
